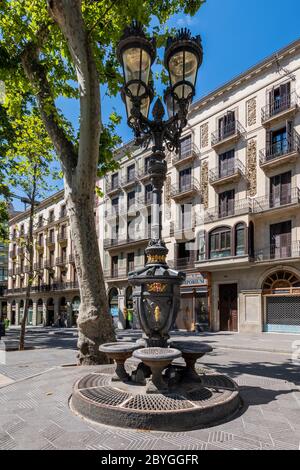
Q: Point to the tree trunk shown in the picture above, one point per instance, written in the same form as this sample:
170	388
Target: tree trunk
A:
94	321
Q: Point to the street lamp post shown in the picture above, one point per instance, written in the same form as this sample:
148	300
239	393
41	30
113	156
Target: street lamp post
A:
156	287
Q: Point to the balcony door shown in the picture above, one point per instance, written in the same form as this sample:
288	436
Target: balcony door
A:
280	240
226	163
227	125
185	146
280	98
226	203
280	189
185	179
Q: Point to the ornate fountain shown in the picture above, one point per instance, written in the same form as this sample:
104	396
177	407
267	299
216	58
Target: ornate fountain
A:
156	383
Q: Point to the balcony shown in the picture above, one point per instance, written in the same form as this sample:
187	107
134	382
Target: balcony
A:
185	232
271	202
231	174
112	186
48	264
50	241
72	259
280	153
228	134
115	274
57	285
21	251
239	207
112	212
290	250
186	155
185	189
62	237
184	263
61	261
129	180
143	173
38	266
148	200
110	243
280	109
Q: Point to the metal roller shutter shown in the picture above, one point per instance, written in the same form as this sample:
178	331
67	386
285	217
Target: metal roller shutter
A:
283	314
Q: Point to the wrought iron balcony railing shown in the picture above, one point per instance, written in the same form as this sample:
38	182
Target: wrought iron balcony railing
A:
62	237
280	251
189	152
233	129
181	188
49	264
112	185
271	201
50	241
236	167
38	266
279	105
61	261
129	179
279	149
239	207
117	241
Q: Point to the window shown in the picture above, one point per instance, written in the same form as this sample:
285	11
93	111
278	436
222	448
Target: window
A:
114	180
148	194
280	189
220	243
185	146
277	142
147	161
40	241
280	240
63	211
64	254
185	216
130	173
280	98
22	230
130	199
51	216
185	179
51	258
41	221
201	246
239	240
226	164
51	236
226	203
130	262
115	205
40	261
226	125
114	266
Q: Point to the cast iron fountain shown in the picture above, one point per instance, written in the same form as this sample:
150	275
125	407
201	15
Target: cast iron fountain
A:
156	383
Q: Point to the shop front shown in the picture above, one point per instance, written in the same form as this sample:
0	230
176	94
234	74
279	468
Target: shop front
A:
194	313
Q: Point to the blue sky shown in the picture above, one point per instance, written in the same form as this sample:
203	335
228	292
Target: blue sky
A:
236	34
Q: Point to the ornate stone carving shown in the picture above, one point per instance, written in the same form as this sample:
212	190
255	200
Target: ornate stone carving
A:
251	166
204	183
204	135
251	112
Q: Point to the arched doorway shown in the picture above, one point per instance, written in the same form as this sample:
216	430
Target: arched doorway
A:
75	310
281	291
39	312
50	312
129	308
113	301
62	315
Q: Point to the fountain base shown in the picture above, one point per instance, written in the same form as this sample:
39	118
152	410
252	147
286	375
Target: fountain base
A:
190	404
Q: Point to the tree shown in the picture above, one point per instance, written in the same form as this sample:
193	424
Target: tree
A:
29	157
67	48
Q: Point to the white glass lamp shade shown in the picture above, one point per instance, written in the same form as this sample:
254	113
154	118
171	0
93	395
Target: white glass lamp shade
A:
136	63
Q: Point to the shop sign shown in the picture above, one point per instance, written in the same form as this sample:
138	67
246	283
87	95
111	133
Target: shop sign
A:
195	279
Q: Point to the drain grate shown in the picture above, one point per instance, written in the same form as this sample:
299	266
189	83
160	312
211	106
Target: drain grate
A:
158	403
93	380
202	394
217	381
105	395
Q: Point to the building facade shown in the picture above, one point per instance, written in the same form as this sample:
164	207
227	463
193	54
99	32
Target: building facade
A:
54	294
3	279
230	214
231	210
